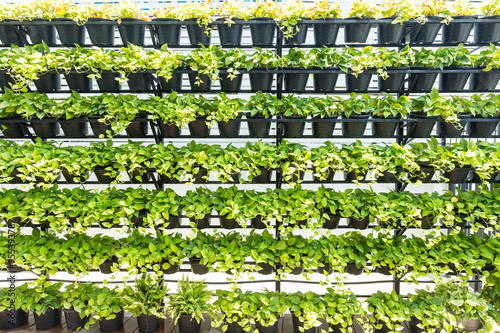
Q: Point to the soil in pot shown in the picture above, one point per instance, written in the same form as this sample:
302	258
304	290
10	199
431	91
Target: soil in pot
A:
42	33
197	268
98	127
49	319
388	33
169	34
452	130
148	323
102	177
323	129
230	35
78	82
296	81
259	128
263	32
228	223
105	267
230	85
74	128
325	82
299	32
108	83
294	129
49	82
458	175
357	32
203	86
9	320
456	31
114	324
169	131
188	324
359	83
421	129
70	34
197	35
422	82
453	81
353	269
297	324
199	128
131	33
360	224
385	129
73	320
487	32
354	129
230	129
325	34
202	223
428	31
482	129
45	129
12	130
261	81
485	81
138	128
101	34
394	82
12	34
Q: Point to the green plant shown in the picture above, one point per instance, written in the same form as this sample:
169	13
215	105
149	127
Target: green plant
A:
342	307
127	9
192	298
461	8
288	15
76	296
146	297
230	10
201	11
307	307
400	10
324	10
490	8
390	309
40	296
362	9
107	302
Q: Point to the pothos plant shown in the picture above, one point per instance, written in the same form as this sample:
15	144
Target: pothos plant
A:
77	296
389	309
31	296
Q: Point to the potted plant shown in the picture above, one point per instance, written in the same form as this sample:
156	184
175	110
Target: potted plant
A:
482	107
486	80
130	12
292	21
265	309
11	314
324	111
71	114
263	13
198	17
74	33
389	310
75	304
46	310
392	109
232	14
392	15
436	13
200	252
325	33
455	81
11	34
169	34
296	59
231	61
388	80
108	308
488	32
101	34
355	107
40	11
262	61
228	304
205	62
329	59
456	31
146	301
306	309
261	107
358	32
187	306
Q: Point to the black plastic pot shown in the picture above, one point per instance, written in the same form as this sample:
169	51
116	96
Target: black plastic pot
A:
139	82
138	221
101	34
453	81
197	35
197	268
74	128
12	34
45	129
264	177
449	130
73	320
12	130
230	35
188	324
323	129
487	32
148	323
482	129
6	81
456	31
228	223
325	270
263	34
169	131
357	32
48	82
49	319
10	319
78	82
230	85
325	34
297	324
174	221
296	81
422	82
458	175
325	82
427	172
42	33
108	325
427	222
257	223
173	84
421	129
394	82
199	128
332	222
258	129
388	33
360	224
230	129
294	129
99	127
390	177
485	81
328	178
354	175
355	129
299	32
385	129
172	269
198	178
353	269
261	81
105	267
205	84
16	177
202	223
360	83
70	34
108	82
297	271
133	34
138	128
265	269
102	178
169	34
428	31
